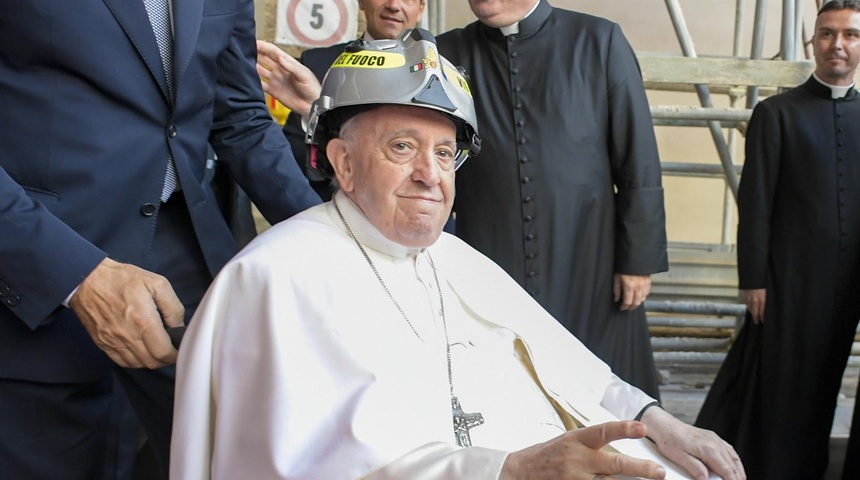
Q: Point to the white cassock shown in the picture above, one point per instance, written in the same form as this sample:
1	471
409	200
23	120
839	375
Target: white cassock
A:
299	365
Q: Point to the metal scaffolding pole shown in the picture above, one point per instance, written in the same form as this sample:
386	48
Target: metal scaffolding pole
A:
728	201
788	40
704	96
713	115
756	45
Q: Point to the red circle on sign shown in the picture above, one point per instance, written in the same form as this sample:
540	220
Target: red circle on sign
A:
338	33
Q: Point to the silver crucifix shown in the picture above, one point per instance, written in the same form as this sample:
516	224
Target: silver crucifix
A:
463	422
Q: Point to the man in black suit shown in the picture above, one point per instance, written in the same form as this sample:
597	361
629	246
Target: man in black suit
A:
385	19
109	230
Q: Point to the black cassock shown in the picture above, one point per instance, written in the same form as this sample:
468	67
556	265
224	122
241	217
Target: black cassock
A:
565	122
799	237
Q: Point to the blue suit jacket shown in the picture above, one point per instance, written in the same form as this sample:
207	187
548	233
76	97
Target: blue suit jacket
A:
85	131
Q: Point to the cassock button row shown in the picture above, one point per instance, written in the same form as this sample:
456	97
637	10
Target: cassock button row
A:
147	210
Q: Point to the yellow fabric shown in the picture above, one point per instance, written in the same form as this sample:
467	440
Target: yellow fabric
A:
277	109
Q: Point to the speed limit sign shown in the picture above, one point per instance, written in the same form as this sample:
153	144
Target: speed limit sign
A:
316	23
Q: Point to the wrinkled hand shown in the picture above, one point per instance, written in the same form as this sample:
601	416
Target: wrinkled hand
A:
631	290
576	455
694	449
286	79
119	305
755	300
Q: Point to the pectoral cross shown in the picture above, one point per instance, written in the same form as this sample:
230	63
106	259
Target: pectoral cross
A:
463	422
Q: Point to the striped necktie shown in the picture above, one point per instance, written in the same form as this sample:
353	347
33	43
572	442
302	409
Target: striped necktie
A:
159	17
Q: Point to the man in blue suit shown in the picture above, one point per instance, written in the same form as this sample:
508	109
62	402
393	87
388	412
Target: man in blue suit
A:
385	19
108	231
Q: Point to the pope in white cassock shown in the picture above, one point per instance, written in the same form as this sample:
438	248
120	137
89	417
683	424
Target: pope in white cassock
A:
356	340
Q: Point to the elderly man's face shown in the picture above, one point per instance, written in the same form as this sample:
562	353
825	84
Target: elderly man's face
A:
836	45
397	164
387	18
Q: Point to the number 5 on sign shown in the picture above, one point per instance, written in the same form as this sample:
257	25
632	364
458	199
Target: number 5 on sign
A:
316	23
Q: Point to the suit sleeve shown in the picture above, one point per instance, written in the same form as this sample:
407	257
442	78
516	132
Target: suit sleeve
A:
755	196
246	138
41	259
640	241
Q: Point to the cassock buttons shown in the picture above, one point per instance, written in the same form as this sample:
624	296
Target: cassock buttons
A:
527	218
517	89
530	237
147	210
515	71
530	256
520	123
526	179
523	141
532	274
514	54
171	131
524	159
527	199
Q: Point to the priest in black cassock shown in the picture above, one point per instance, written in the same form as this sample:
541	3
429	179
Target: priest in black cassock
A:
566	194
798	265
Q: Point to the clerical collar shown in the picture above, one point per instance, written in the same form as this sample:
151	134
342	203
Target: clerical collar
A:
836	91
365	232
531	21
